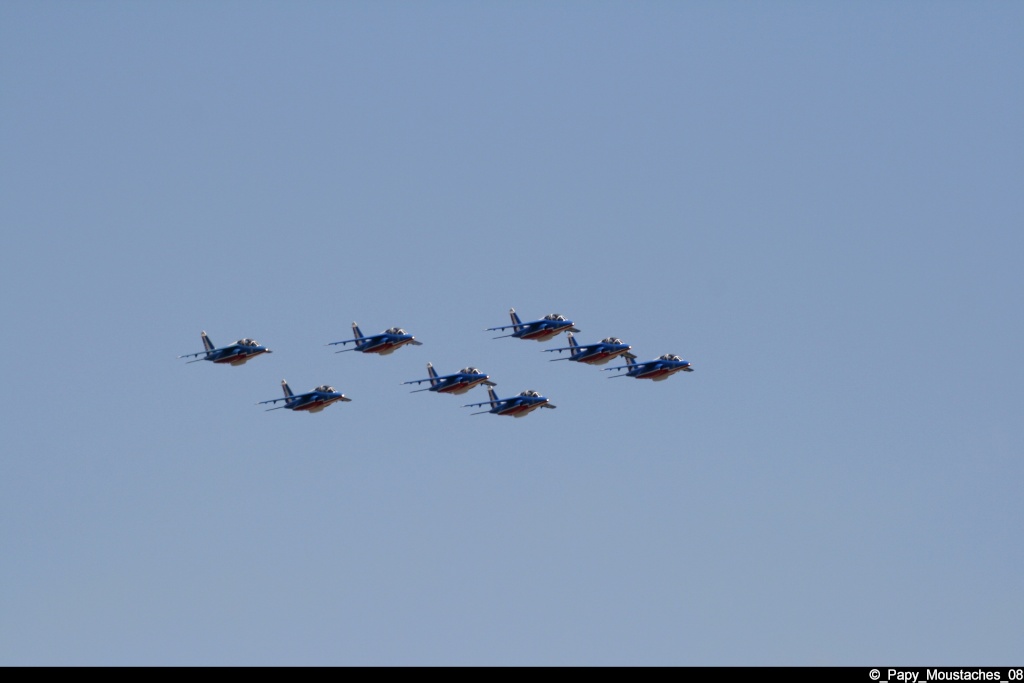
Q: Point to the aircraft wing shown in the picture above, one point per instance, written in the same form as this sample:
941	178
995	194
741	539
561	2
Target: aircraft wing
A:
482	403
582	348
296	397
371	342
507	327
439	377
368	343
199	353
631	356
624	367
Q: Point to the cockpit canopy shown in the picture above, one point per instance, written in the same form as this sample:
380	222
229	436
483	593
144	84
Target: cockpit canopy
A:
555	317
247	342
669	356
530	393
612	340
395	330
470	371
325	388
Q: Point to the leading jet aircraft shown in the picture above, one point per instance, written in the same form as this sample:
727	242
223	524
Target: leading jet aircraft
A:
234	354
593	354
456	383
538	330
517	406
384	343
310	402
659	369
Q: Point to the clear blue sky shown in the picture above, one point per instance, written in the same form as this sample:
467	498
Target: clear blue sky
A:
818	204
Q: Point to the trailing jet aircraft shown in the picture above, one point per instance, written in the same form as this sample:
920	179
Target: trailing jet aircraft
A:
384	343
517	406
593	354
456	383
659	369
538	330
234	354
310	402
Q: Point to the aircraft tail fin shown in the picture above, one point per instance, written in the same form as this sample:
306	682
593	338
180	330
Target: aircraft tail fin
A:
288	393
573	344
355	331
207	344
493	396
515	318
433	375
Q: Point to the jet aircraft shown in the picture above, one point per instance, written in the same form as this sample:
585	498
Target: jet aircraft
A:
538	330
234	354
310	402
659	369
517	406
384	343
456	383
593	354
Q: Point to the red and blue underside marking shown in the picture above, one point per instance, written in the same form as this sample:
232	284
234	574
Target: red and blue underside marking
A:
319	403
542	334
237	357
519	409
660	372
386	346
601	356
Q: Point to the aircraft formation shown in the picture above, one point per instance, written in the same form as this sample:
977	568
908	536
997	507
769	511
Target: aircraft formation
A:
392	339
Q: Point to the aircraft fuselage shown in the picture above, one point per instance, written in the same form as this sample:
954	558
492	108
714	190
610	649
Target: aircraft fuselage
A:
460	387
600	357
543	334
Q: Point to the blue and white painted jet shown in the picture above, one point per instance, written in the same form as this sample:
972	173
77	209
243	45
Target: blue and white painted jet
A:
310	402
456	383
234	354
538	330
517	406
384	343
659	369
593	354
